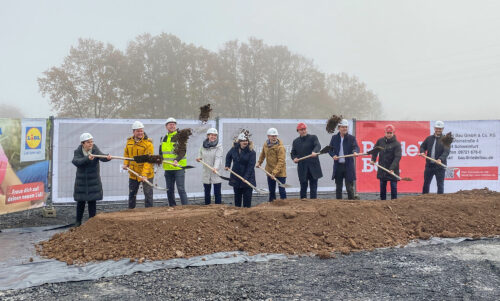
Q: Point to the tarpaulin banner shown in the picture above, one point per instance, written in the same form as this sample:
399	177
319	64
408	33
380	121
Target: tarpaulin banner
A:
474	155
110	135
33	138
287	129
23	185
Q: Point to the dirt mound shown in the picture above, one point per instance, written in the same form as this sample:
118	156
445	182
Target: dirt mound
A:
284	226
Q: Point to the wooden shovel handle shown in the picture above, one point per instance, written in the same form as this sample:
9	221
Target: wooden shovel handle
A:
308	156
138	175
211	168
388	171
243	179
114	157
435	161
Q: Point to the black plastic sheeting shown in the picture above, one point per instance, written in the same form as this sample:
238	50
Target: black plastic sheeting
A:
17	246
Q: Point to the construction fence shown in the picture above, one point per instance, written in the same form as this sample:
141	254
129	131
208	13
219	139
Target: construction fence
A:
475	154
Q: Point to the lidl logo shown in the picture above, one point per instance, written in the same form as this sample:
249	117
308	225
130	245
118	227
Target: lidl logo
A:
33	138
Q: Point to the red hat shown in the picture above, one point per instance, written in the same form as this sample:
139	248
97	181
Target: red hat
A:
390	128
301	126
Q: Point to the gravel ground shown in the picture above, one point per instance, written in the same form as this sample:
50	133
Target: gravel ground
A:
469	270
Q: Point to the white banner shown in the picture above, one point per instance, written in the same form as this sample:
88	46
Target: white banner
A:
287	129
475	153
110	136
33	134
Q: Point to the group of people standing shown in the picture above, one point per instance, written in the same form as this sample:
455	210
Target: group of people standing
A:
241	160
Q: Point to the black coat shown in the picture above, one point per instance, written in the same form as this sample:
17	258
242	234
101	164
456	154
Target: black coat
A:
301	147
243	164
88	186
349	145
389	157
442	152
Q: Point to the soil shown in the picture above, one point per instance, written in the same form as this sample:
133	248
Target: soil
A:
321	227
205	113
331	124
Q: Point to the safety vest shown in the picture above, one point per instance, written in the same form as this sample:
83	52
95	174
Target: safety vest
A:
167	149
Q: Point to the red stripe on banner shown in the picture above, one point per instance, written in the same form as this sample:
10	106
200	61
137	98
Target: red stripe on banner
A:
24	193
474	173
410	134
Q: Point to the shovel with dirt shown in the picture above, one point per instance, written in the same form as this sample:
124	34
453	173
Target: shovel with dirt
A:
274	178
153	159
324	150
392	174
258	190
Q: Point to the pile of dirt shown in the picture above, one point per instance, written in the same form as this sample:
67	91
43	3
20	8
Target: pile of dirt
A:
292	226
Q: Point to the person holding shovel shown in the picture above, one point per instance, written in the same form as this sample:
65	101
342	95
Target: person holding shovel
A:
211	153
139	144
242	157
273	151
389	158
174	173
309	170
343	144
434	148
88	185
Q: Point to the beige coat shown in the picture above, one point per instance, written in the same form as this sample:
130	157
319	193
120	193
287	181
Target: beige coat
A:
275	157
213	157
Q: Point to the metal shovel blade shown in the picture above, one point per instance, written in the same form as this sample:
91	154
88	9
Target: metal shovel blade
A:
284	185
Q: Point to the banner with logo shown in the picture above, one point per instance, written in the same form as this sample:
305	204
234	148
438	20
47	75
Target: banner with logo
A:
474	156
23	185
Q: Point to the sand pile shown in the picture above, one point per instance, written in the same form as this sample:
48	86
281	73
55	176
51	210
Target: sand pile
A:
290	226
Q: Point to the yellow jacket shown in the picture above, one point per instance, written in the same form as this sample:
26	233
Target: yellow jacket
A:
141	147
275	157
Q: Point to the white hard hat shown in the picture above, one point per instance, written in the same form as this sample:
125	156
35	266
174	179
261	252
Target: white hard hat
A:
272	132
171	119
137	125
439	124
85	137
344	122
242	136
212	131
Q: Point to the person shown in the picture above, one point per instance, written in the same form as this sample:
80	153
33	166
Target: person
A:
242	156
389	158
211	153
309	170
8	178
88	185
273	151
344	170
434	148
139	144
173	174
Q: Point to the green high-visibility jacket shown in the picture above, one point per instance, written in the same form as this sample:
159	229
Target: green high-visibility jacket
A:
167	150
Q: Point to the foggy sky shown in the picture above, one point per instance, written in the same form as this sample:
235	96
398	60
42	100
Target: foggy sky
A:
424	59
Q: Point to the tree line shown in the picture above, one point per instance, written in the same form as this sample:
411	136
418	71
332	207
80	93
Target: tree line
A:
159	76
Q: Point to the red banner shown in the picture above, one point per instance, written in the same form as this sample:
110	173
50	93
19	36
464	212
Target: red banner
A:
475	173
24	193
410	134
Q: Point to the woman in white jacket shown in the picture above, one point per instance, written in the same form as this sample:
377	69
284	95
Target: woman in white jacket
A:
211	153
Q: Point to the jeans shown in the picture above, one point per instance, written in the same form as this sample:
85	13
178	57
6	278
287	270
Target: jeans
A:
133	187
340	174
173	177
431	171
313	187
80	208
245	193
217	193
272	188
383	189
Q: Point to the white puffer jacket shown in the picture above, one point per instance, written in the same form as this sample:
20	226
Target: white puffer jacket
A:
213	157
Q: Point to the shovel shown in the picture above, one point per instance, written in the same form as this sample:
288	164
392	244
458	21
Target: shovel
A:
274	178
324	150
394	175
153	159
259	190
146	181
439	163
370	152
177	165
216	172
